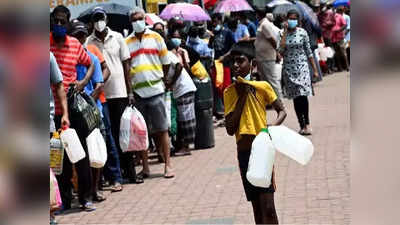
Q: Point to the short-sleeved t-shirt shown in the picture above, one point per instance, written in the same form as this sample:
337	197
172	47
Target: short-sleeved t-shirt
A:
264	48
254	115
55	78
97	77
240	32
95	51
147	59
68	57
337	34
251	27
115	51
184	84
347	18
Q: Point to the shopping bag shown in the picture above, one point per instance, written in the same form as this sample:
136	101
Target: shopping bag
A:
72	145
97	149
83	112
56	154
133	134
55	197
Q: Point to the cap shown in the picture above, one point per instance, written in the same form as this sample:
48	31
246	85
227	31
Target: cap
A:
78	26
99	10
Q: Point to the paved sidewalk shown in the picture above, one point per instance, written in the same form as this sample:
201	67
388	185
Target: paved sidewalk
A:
208	188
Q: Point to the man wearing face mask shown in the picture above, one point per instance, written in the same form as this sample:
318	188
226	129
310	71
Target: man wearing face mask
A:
327	21
222	39
200	46
149	69
266	54
117	88
67	50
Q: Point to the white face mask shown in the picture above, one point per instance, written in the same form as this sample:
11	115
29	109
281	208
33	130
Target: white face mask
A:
139	26
100	25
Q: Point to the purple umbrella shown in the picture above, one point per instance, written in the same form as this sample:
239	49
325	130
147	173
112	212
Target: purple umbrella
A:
232	6
186	11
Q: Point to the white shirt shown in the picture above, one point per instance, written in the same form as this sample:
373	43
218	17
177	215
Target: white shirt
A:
115	51
184	84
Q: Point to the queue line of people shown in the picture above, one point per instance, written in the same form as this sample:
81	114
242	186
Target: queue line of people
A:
138	70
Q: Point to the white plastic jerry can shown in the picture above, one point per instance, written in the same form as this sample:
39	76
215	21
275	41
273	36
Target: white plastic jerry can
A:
261	162
291	144
72	145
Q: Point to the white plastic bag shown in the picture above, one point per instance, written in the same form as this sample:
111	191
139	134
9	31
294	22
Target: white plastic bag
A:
261	162
97	149
291	144
133	135
72	145
168	103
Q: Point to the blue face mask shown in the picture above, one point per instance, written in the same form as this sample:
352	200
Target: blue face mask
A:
176	41
248	77
59	30
292	24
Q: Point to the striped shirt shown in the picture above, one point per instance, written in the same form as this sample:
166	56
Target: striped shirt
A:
68	56
147	58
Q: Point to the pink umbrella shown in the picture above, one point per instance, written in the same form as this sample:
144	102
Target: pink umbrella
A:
185	11
232	6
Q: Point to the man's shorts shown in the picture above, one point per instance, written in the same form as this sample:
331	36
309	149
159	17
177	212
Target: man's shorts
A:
252	192
154	112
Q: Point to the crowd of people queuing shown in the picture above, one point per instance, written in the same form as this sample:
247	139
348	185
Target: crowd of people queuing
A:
138	69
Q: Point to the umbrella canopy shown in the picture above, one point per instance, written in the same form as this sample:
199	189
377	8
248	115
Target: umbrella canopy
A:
186	11
207	3
282	10
278	2
308	13
232	6
117	15
338	3
152	18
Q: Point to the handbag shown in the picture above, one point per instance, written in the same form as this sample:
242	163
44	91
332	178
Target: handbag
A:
84	114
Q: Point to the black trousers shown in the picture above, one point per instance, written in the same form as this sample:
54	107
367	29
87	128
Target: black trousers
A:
82	169
116	108
340	56
301	108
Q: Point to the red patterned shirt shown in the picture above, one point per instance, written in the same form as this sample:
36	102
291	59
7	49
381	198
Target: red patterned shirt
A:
67	57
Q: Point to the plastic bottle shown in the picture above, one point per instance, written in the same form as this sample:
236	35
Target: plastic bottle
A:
261	160
291	144
56	154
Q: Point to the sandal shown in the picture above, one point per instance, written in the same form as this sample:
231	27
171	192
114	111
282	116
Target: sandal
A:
88	207
143	174
138	180
98	197
116	187
169	174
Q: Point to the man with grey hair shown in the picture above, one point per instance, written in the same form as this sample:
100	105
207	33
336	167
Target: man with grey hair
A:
267	39
117	88
149	69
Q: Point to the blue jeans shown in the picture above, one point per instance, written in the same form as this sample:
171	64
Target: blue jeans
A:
112	169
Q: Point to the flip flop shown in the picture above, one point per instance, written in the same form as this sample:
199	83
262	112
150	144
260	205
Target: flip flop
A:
116	187
169	174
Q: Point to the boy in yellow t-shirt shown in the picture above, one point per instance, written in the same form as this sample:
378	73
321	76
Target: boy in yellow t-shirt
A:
245	115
